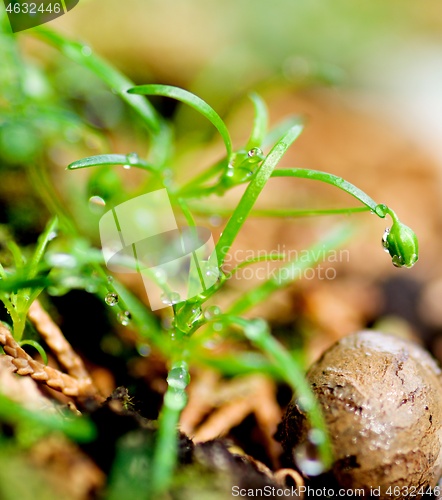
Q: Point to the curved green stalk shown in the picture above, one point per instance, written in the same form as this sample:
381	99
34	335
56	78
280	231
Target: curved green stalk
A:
334	180
258	333
211	210
191	100
37	347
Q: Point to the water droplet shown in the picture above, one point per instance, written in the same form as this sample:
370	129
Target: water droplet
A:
217	326
398	261
255	328
178	378
86	50
212	272
110	279
188	317
52	235
126	167
132	158
111	299
170	298
316	436
212	312
381	210
175	399
384	239
304	404
91	287
254	152
124	317
96	204
63	260
144	350
307	458
240	219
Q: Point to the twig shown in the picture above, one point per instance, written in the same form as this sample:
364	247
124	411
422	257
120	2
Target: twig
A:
56	341
25	365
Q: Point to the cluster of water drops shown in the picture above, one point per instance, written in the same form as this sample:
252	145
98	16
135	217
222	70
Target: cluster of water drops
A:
112	299
242	167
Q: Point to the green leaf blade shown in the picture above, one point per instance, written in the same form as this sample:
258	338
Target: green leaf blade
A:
191	100
260	122
83	55
110	159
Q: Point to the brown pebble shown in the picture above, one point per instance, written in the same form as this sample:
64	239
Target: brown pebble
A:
381	397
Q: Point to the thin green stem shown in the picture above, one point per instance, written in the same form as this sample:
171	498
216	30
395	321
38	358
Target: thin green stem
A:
258	333
263	258
252	192
201	209
4	297
42	244
165	455
3	274
204	176
165	452
84	56
259	123
334	180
